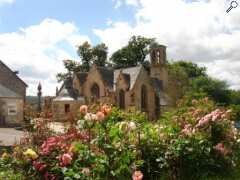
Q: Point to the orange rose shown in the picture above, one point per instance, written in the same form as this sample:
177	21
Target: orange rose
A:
83	109
106	109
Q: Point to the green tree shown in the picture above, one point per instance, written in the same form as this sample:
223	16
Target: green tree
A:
85	53
100	53
89	55
214	88
71	67
133	53
192	70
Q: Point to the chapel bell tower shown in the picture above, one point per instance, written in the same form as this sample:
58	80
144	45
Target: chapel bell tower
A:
158	60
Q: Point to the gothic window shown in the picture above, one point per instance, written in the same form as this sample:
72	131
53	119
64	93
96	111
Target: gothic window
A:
95	91
121	99
157	106
144	99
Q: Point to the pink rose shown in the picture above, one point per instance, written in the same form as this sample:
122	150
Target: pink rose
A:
137	175
83	109
66	159
220	148
39	166
100	116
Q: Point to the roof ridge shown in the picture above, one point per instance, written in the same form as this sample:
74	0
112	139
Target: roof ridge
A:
1	62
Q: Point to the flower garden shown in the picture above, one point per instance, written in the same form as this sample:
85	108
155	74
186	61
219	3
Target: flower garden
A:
196	140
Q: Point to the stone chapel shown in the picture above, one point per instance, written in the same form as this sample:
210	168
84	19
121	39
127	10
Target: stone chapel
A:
136	88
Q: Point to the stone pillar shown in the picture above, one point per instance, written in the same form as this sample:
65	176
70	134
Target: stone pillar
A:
39	97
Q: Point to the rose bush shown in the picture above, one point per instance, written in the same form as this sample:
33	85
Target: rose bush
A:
197	140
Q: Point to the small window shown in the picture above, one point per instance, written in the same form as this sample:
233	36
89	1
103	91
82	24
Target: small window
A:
67	108
12	110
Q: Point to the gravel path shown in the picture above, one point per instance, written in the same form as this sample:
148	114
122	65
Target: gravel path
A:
9	136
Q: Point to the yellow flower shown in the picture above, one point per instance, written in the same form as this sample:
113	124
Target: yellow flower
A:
5	156
30	153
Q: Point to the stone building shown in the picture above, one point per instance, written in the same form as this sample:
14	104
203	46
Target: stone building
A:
128	88
12	96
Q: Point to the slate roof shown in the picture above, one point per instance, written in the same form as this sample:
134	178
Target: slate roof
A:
133	73
7	93
107	75
2	64
82	76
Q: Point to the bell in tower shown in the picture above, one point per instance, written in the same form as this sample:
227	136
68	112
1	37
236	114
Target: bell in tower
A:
158	63
158	55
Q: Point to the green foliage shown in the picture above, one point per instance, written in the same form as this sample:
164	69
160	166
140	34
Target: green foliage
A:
177	147
214	88
191	69
100	54
133	53
187	78
85	53
89	55
196	140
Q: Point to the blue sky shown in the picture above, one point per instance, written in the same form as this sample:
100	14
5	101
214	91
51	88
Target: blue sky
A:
86	15
35	36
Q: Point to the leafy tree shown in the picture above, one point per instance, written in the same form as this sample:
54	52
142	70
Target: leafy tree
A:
85	53
71	67
99	53
133	53
214	88
88	55
192	69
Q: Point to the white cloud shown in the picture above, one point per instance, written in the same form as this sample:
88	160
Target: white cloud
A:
117	3
200	31
37	51
132	2
6	1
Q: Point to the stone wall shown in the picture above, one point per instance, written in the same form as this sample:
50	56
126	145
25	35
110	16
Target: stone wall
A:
94	77
11	81
144	79
58	109
9	105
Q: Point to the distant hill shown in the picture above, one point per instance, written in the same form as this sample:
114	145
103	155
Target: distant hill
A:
32	99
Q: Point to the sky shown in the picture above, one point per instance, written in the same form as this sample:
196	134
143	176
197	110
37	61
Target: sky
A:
36	36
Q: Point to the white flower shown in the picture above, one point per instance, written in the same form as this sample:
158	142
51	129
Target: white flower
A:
132	126
90	117
80	124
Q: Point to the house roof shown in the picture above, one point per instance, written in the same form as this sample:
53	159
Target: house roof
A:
7	93
107	75
1	63
133	73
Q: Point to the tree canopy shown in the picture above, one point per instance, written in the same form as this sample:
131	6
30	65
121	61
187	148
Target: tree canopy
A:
89	55
133	53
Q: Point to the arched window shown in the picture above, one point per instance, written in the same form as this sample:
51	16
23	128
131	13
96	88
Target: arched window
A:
95	91
144	100
157	106
121	99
